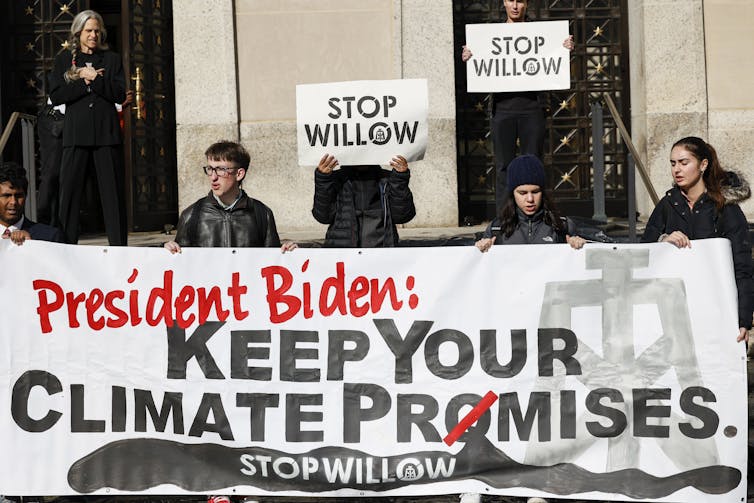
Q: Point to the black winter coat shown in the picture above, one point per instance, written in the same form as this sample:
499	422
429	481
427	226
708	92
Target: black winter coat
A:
207	224
90	115
362	206
704	221
530	230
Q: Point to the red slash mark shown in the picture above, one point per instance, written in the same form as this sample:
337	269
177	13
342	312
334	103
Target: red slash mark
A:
471	418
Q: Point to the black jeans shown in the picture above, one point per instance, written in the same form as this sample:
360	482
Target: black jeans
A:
528	127
110	180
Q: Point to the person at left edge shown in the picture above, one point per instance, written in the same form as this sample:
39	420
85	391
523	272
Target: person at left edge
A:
89	80
13	224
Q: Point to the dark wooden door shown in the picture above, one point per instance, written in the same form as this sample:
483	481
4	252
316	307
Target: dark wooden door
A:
150	154
34	32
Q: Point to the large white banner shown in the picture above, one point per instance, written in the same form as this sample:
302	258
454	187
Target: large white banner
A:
517	57
610	372
362	122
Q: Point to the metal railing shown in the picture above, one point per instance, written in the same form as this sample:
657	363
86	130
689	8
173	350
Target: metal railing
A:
633	163
27	140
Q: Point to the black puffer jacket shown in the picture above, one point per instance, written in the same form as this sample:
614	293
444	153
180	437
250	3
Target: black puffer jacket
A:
704	221
362	205
530	230
207	224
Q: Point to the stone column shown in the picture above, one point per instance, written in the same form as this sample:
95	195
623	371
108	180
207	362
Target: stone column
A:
427	34
668	84
730	85
206	102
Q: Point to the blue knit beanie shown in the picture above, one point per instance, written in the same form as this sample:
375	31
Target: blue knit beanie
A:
526	170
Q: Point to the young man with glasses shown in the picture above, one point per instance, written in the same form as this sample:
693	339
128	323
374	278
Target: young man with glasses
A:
227	216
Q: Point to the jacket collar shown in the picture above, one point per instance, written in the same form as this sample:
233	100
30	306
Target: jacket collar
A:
536	217
240	202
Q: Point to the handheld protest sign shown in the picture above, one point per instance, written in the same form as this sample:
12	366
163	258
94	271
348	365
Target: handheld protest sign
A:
509	57
362	122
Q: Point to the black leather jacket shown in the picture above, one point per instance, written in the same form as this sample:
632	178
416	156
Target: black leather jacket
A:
704	221
207	224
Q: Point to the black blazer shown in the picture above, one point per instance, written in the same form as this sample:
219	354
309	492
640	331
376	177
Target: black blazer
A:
43	232
90	115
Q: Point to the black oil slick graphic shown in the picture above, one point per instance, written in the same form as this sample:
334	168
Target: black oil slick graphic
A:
139	464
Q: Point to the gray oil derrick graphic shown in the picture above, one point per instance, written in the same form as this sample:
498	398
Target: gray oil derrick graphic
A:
619	367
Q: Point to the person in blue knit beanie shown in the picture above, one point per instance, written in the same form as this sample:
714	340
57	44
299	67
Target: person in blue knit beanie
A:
528	216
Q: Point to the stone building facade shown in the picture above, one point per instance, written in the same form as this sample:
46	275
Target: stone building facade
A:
237	64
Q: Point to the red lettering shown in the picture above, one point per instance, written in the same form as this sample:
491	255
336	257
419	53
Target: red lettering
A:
357	297
208	301
121	317
336	283
134	307
308	311
359	288
134	300
276	295
378	295
107	309
73	302
164	295
94	302
44	306
235	290
182	304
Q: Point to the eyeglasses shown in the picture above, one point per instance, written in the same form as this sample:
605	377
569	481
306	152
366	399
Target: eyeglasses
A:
220	171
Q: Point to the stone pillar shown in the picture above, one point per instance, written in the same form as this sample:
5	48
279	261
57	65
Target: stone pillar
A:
206	103
285	43
730	85
668	84
427	33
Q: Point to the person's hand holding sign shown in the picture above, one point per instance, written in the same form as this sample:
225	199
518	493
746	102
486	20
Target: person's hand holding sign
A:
327	164
399	163
465	54
568	43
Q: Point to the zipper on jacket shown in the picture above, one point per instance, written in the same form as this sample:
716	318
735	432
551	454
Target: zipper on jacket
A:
228	228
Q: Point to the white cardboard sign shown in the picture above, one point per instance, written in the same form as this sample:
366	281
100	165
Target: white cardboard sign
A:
362	122
510	57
